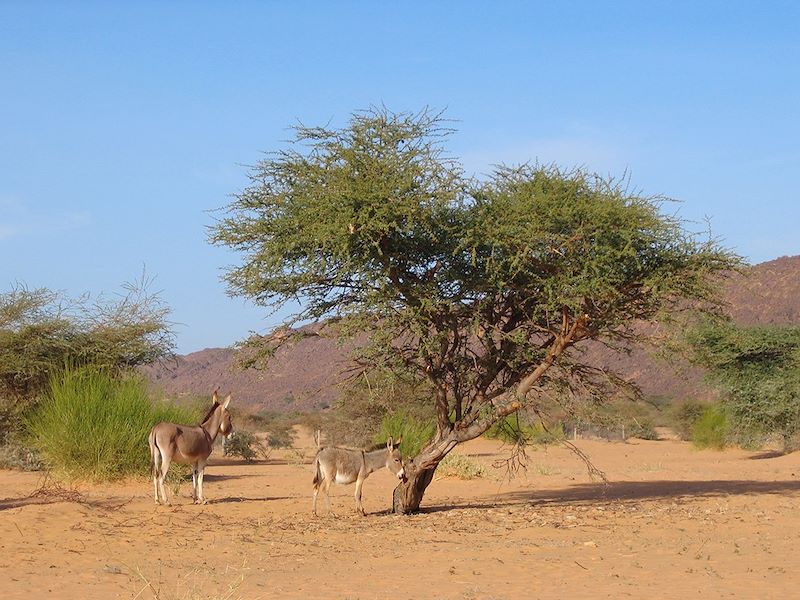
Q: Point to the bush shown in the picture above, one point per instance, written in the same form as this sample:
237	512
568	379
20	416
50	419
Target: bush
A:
93	424
685	416
41	330
711	429
460	466
414	432
245	445
641	428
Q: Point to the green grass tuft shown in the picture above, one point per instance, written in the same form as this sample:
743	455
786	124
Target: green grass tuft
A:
415	433
711	429
94	425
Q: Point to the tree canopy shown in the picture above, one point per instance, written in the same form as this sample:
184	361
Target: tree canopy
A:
481	287
757	369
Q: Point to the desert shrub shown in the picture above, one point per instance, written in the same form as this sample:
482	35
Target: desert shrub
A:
93	423
685	415
641	428
462	467
281	436
279	427
41	330
246	445
711	429
413	431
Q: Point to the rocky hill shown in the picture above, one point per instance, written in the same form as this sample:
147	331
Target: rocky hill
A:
305	376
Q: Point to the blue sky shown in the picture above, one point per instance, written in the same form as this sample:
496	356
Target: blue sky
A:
122	124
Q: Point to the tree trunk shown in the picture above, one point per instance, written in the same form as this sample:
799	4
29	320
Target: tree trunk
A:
408	494
419	474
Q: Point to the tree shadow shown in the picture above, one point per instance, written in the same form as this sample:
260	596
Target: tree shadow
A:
228	461
6	503
39	498
237	499
629	491
767	454
304	462
220	477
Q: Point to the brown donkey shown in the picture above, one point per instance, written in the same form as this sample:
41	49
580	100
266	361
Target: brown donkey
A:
344	465
187	445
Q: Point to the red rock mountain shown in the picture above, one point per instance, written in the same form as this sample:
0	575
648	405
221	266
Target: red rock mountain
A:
304	376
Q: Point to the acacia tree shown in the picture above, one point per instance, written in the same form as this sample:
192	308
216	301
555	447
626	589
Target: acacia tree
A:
481	288
757	369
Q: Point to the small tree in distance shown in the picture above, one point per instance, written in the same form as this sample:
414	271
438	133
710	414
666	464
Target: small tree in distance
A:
757	369
481	288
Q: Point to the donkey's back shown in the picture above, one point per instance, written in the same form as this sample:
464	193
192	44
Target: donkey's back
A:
339	465
185	444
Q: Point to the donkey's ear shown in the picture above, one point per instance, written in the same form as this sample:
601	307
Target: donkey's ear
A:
226	401
398	442
215	396
389	443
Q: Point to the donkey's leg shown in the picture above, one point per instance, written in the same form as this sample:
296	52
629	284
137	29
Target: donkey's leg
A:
154	468
359	506
314	501
327	485
201	467
165	462
194	483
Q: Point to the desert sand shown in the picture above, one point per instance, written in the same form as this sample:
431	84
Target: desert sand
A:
673	522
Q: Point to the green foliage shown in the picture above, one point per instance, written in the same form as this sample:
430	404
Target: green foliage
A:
281	435
514	429
93	423
685	415
367	400
41	331
402	425
711	429
476	289
246	445
758	371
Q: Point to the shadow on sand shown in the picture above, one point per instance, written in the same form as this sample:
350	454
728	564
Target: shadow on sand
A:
627	491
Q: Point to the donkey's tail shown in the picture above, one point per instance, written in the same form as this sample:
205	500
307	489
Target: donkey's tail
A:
155	453
317	472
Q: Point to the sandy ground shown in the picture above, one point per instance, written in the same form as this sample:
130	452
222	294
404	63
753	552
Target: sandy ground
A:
674	522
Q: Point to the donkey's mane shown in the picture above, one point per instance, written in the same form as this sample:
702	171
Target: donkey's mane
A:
374	447
210	412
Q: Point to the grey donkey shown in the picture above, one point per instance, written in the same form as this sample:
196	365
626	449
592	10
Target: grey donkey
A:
188	445
345	466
